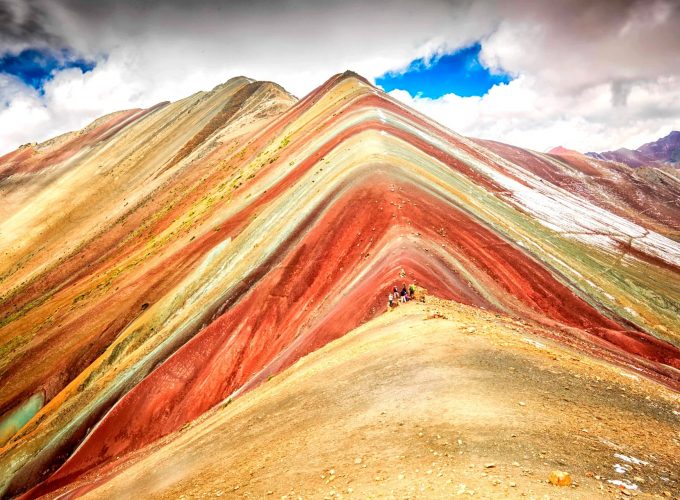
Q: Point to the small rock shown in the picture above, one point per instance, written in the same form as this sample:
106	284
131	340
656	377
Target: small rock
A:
515	464
522	403
357	460
559	478
489	465
513	484
400	477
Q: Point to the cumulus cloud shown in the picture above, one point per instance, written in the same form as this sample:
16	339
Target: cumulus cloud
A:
590	75
524	113
69	100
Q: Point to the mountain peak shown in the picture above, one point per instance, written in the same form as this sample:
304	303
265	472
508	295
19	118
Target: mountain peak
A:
352	74
236	80
562	151
348	75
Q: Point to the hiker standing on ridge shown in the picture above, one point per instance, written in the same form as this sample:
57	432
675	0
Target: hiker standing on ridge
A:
412	291
403	293
390	299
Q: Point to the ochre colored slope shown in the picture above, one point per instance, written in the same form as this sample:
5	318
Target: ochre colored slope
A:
235	231
82	285
417	403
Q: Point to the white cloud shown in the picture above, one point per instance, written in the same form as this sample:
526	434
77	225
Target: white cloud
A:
166	51
574	59
22	113
592	76
527	114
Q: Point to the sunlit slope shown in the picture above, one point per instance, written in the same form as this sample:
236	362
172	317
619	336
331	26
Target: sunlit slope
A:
419	402
57	322
271	229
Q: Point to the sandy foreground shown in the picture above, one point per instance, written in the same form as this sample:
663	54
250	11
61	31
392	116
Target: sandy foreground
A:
429	400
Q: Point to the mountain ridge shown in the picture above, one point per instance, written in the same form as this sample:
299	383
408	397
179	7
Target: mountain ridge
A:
663	151
214	250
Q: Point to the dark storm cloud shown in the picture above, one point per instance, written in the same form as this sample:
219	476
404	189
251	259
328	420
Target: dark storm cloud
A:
102	23
22	23
578	43
266	39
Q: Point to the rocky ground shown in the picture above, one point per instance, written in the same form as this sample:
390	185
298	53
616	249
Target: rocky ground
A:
429	400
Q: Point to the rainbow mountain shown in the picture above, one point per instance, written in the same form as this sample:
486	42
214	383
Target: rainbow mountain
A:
162	265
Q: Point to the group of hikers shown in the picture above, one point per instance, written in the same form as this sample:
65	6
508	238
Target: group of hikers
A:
400	296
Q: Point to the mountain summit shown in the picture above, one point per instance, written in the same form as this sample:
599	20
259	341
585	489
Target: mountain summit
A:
562	151
194	300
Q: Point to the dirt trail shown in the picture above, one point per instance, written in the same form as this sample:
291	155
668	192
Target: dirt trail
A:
430	400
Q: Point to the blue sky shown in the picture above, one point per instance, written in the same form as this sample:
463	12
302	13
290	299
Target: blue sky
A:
34	67
459	73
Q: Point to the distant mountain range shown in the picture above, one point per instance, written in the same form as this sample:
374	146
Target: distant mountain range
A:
665	151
